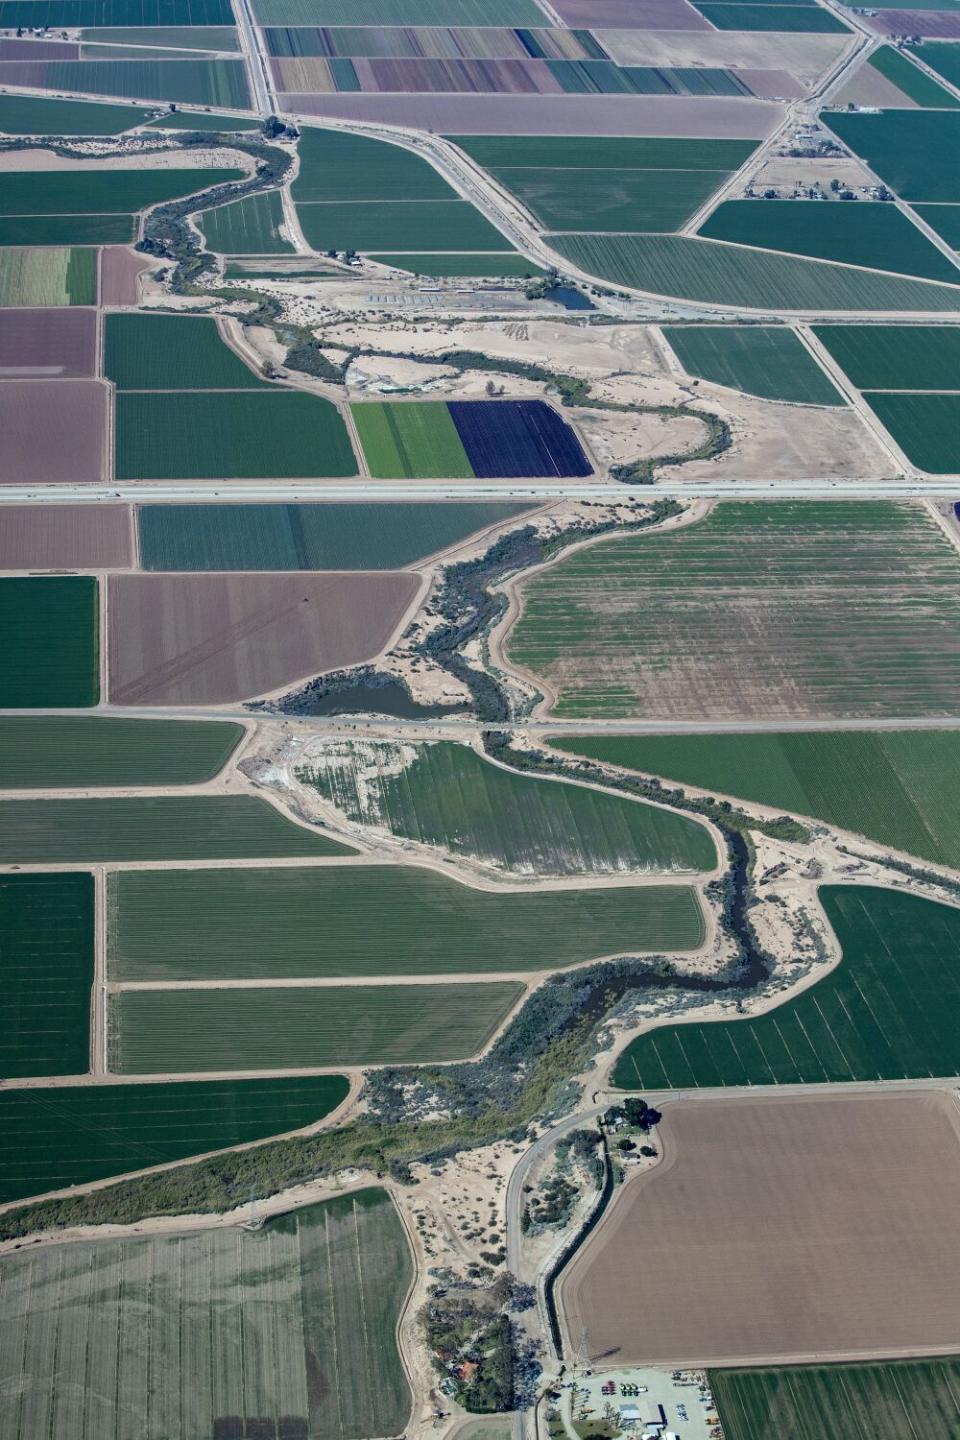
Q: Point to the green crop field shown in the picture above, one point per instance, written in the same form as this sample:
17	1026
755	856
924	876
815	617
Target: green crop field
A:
877	235
926	427
216	1333
910	79
765	360
895	357
689	268
154	1032
944	58
944	219
187	37
889	1011
247	227
912	150
46	967
337	166
617	200
899	787
101	192
415	440
402	225
209	435
66	229
502	265
172	352
197	120
48	628
788	609
448	796
396	12
47	277
76	1134
53	752
298	923
552	152
152	827
810	19
188	82
34	115
330	536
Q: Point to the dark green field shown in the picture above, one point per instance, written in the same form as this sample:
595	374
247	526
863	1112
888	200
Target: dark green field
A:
551	152
34	115
197	120
52	752
247	227
66	229
101	192
926	427
357	536
804	18
449	224
211	435
912	150
943	57
889	1011
46	968
876	235
337	166
172	352
190	82
155	827
895	357
769	361
890	1400
611	200
48	628
944	219
73	1135
910	79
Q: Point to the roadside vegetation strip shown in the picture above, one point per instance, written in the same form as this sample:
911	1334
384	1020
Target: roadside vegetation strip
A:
46	966
416	440
190	1031
49	631
36	115
768	361
895	357
75	1134
54	276
101	192
49	751
911	150
691	268
883	1399
247	227
200	120
910	79
898	787
154	827
444	794
889	1011
172	352
329	536
926	427
871	233
852	609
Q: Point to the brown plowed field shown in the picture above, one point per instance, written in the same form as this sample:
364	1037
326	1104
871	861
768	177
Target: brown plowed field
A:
53	431
779	1229
209	639
119	268
65	537
48	344
631	14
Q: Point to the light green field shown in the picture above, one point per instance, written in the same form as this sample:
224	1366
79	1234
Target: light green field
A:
247	227
899	787
367	920
171	1335
172	352
156	1032
769	361
56	276
53	752
783	610
448	796
414	440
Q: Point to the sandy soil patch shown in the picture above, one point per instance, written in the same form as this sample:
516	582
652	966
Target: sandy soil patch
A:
65	537
48	344
120	272
778	1229
218	157
805	56
616	439
383	373
54	431
784	173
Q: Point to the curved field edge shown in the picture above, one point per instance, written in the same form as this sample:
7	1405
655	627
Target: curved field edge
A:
51	751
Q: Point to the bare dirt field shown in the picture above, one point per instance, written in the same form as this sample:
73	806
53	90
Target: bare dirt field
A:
868	87
783	172
806	57
780	1229
640	15
207	639
48	344
65	537
120	270
54	431
933	24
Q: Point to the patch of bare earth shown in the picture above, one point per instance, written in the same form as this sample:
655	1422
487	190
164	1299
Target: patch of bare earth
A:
807	57
50	344
120	271
53	431
65	537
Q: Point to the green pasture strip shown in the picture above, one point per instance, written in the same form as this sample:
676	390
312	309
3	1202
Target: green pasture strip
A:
602	200
172	352
496	266
805	19
689	268
943	56
446	795
853	609
338	166
205	435
413	13
889	1011
247	227
913	151
46	966
191	1031
190	82
944	219
76	1134
292	923
561	152
910	79
187	37
50	642
197	120
35	115
898	787
414	440
47	277
67	229
875	234
330	536
401	225
52	751
152	827
926	427
769	361
880	1399
100	192
895	357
